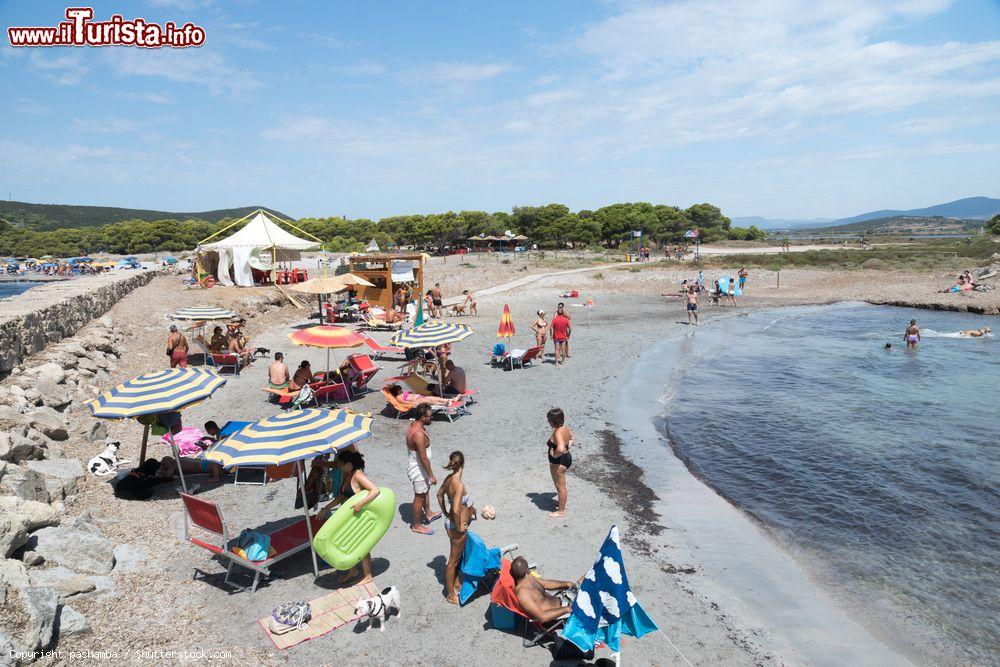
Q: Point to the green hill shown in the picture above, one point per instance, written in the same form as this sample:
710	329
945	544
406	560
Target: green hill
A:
43	217
904	225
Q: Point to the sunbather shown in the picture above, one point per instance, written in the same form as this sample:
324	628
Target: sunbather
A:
219	342
454	378
458	512
417	399
533	593
303	376
236	347
277	372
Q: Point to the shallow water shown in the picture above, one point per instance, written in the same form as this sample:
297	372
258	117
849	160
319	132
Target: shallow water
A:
881	465
13	288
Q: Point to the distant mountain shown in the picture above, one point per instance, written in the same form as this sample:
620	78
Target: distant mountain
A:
968	208
779	223
908	225
55	216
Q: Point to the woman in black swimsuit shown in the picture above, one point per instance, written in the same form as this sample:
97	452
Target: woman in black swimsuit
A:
560	458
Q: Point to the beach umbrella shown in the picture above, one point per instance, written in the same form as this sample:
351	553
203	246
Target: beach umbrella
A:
329	285
431	334
419	319
605	595
292	437
156	393
203	313
506	330
330	338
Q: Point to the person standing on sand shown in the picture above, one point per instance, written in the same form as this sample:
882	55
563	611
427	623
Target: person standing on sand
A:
731	292
560	328
541	329
560	458
692	305
354	481
561	308
912	335
177	348
743	274
418	470
437	301
457	516
470	302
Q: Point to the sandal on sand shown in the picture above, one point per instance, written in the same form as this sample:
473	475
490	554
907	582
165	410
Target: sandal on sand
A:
432	518
425	531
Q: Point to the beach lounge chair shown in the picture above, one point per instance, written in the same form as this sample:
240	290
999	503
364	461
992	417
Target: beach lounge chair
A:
328	393
403	407
505	610
207	516
375	324
364	370
380	350
525	358
219	360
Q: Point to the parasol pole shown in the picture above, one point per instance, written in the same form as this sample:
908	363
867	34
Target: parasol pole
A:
177	459
300	475
145	440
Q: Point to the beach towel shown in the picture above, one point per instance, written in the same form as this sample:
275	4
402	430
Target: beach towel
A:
328	612
477	560
187	441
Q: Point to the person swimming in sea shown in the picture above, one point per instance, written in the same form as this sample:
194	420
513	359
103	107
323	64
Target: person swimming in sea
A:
912	335
975	333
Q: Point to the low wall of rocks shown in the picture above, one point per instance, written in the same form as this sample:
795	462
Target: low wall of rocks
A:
48	313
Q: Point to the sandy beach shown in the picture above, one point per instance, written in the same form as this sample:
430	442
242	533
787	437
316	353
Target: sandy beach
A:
715	583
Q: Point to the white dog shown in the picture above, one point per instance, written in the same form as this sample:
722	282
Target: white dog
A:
379	607
106	463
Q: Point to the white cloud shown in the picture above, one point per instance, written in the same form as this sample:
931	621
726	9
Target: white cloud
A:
455	72
632	601
63	66
197	66
610	604
361	68
583	601
613	570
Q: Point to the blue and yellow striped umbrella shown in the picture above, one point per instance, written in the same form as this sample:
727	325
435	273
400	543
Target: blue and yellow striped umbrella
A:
156	392
204	313
291	436
431	333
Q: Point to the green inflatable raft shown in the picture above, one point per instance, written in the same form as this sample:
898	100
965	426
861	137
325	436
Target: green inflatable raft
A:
347	537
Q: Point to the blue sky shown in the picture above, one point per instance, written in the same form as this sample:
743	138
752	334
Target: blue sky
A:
780	108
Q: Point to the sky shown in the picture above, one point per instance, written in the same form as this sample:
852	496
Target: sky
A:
777	108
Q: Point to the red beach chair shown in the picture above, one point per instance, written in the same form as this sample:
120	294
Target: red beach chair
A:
285	542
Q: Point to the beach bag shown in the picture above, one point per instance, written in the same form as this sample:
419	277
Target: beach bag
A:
255	545
318	485
290	616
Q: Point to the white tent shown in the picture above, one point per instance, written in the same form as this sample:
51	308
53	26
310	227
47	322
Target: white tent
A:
261	233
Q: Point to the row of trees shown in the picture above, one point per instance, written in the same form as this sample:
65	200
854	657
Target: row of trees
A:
550	226
993	226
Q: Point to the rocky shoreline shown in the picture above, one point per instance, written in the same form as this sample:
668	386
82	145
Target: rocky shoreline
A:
48	560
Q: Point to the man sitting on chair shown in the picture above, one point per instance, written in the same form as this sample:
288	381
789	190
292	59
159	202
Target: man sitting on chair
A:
454	378
533	593
219	342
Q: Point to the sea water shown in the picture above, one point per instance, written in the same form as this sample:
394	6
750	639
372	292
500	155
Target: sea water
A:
879	467
13	288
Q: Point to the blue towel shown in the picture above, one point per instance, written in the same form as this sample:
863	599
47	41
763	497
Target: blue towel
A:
477	560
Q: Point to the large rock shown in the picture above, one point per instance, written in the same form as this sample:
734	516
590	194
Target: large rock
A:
75	548
32	513
42	605
11	418
65	582
13	574
88	364
128	558
49	422
94	430
15	447
50	371
66	360
70	622
54	395
99	343
106	321
67	472
74	348
24	482
13	534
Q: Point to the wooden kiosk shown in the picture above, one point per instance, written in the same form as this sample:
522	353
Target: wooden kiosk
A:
377	269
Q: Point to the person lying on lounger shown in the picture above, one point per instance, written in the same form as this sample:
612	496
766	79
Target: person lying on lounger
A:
410	397
533	593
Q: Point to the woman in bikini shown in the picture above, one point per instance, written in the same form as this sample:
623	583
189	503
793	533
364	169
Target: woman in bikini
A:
470	302
560	458
912	335
459	513
541	328
353	481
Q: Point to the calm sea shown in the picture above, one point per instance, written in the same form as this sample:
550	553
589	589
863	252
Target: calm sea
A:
8	289
881	468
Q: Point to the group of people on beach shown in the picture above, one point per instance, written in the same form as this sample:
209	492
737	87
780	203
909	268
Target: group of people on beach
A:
232	341
691	291
560	329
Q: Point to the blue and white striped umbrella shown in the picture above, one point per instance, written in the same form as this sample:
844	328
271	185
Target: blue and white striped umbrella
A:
204	313
156	392
291	436
431	333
